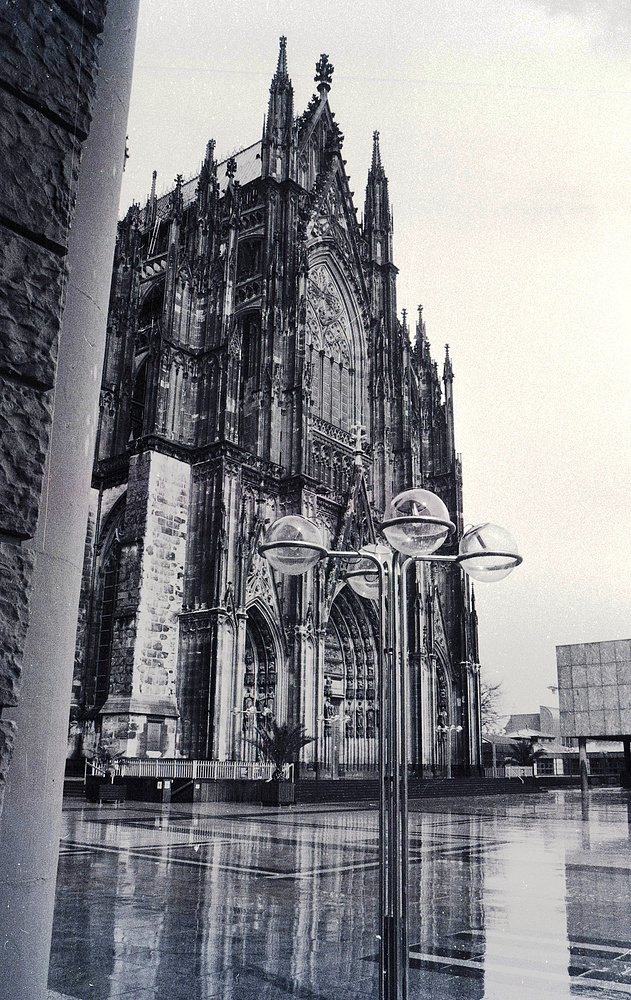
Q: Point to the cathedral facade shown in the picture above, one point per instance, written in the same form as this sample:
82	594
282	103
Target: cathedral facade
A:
255	367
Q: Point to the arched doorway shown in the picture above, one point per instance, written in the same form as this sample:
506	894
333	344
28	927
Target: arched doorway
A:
261	700
348	723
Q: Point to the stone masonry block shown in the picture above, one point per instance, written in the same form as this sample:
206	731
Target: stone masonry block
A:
578	653
592	652
7	736
39	170
93	10
51	59
25	418
579	676
16	567
623	650
31	301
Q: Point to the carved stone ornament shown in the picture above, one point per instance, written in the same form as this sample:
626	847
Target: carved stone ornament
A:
438	629
259	586
234	345
328	327
329	222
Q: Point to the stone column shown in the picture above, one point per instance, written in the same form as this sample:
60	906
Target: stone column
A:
31	818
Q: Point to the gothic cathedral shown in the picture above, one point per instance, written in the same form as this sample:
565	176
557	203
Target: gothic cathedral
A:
255	366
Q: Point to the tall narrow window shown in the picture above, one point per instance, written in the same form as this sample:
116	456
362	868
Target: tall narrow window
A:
107	610
137	405
329	339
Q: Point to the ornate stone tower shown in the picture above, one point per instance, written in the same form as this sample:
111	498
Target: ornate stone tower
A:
256	367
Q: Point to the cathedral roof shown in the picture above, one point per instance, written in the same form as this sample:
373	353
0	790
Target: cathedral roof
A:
248	166
248	162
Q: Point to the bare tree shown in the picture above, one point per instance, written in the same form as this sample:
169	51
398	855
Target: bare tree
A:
491	708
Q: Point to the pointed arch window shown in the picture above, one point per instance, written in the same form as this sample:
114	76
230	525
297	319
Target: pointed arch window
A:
150	314
137	402
329	350
105	625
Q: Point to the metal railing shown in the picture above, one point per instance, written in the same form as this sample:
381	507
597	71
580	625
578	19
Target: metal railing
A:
213	770
509	771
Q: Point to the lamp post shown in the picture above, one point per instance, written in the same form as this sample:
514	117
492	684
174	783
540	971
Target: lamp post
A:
335	722
419	526
247	731
446	732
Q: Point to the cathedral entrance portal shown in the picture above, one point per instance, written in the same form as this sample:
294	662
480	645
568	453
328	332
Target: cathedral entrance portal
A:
348	723
260	696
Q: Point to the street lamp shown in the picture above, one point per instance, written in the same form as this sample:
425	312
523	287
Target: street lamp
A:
335	722
446	732
418	527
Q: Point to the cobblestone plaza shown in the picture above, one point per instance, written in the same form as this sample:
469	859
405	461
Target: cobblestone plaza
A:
525	897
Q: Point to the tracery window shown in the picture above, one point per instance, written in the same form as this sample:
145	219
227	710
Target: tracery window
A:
329	349
137	402
105	625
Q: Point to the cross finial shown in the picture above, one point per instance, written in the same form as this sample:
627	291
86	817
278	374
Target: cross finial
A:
324	74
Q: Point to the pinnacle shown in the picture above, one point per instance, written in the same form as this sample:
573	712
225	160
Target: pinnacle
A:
281	67
447	369
376	153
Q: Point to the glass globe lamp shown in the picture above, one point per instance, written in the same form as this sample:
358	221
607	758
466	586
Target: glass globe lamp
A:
488	553
420	524
293	544
362	574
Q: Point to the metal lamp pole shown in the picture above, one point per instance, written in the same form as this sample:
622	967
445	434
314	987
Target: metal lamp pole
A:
446	732
421	524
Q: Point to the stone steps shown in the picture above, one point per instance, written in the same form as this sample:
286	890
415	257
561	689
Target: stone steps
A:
360	790
74	788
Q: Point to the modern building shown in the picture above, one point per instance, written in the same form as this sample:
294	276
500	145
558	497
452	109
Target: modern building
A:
533	742
256	366
595	695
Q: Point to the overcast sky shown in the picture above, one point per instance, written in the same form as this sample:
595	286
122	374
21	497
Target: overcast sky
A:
506	138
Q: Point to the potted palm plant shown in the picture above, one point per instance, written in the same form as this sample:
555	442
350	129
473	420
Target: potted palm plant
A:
280	744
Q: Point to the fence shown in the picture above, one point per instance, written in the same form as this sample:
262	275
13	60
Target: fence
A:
508	771
212	770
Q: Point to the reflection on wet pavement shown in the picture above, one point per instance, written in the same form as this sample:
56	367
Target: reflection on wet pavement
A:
508	898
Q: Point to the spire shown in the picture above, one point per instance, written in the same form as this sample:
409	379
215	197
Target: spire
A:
377	217
448	379
421	346
278	129
177	203
448	373
376	166
281	66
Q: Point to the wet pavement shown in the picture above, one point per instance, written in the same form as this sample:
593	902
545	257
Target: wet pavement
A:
511	898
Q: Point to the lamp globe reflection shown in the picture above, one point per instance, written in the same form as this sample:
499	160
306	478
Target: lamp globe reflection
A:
420	524
362	574
293	560
488	552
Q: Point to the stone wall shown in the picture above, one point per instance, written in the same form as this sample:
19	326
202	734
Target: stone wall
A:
48	67
149	602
